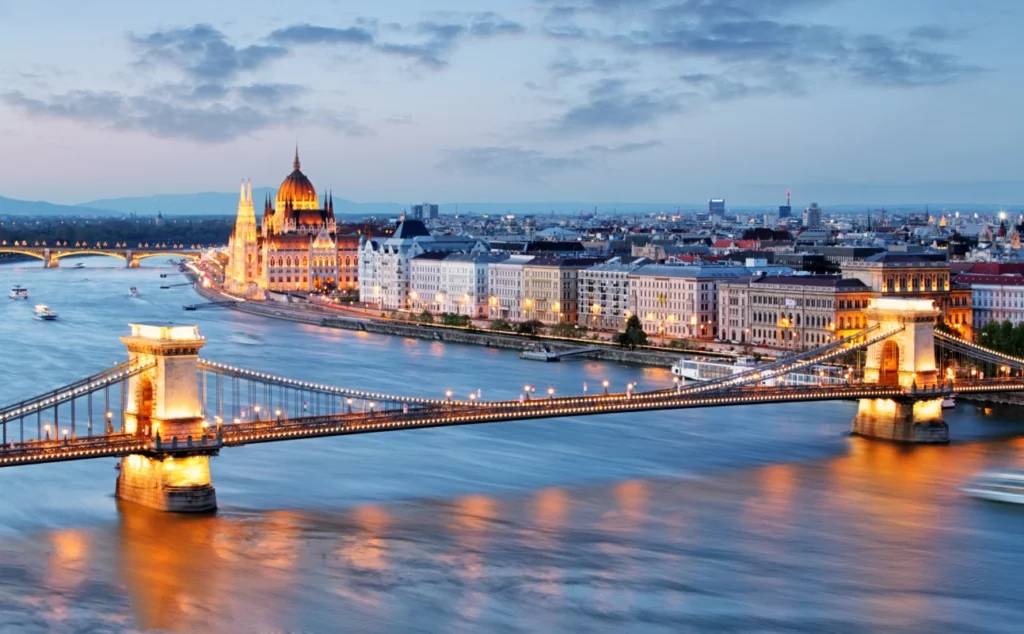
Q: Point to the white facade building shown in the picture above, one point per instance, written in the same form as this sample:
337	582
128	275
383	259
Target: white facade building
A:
384	263
995	298
505	284
604	294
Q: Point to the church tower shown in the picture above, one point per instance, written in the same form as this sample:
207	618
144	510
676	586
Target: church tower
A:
242	269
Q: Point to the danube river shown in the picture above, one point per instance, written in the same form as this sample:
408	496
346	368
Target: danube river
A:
766	518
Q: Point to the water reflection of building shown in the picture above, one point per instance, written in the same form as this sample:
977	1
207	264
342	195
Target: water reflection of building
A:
297	247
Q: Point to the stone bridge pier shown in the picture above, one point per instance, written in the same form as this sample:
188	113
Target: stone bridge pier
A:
50	260
905	360
164	407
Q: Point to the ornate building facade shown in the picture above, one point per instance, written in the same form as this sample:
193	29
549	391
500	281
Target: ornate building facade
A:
297	247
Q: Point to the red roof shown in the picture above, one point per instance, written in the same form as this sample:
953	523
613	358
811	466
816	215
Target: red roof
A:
722	244
990	280
998	268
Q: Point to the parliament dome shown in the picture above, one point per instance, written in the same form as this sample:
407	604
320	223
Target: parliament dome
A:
296	191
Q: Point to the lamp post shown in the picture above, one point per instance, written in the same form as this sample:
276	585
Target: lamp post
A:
605	385
110	422
46	428
551	392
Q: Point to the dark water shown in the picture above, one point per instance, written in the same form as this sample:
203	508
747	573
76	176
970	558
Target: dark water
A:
749	519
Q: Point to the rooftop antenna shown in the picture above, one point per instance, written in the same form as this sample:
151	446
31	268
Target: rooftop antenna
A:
787	198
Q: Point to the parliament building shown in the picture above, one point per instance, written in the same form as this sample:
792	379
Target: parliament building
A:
296	248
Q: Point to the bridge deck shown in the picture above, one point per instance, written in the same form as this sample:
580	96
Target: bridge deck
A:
236	435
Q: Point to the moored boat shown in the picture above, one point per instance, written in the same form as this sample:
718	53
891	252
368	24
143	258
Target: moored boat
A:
44	313
998	486
698	369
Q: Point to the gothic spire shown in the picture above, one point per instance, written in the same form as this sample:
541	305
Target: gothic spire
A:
241	194
296	164
248	192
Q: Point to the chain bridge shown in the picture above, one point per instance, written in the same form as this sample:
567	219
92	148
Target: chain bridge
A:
165	411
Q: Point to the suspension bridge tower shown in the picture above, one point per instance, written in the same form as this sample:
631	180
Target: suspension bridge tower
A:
905	360
164	407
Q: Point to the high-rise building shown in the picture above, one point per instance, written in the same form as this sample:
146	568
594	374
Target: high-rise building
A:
812	216
424	211
785	211
716	207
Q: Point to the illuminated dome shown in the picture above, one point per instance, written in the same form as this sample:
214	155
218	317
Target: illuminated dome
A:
296	191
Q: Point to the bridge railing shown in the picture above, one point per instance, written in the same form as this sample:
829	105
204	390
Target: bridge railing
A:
975	351
86	387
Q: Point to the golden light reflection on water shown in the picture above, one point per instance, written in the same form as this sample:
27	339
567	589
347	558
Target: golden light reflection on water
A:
550	518
364	550
872	517
895	495
470	524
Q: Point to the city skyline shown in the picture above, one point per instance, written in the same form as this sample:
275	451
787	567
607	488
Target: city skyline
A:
592	100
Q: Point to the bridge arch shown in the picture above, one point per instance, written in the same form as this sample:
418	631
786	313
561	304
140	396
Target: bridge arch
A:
144	406
71	253
34	253
155	254
889	366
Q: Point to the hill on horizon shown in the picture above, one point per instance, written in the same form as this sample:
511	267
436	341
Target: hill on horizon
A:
226	203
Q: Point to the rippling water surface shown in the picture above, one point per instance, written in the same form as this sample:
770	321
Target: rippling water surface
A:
764	518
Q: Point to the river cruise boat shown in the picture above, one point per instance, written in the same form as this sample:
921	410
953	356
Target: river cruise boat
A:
998	486
18	292
702	369
44	313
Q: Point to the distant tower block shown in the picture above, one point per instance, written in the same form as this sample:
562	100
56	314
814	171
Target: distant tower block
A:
905	360
164	406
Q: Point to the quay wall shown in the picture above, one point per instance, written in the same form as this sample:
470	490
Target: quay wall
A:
318	316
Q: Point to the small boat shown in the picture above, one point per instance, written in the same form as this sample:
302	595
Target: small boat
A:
79	266
18	292
44	313
133	292
247	338
998	486
163	275
949	402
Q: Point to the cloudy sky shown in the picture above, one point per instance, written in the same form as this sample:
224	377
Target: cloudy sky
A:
514	100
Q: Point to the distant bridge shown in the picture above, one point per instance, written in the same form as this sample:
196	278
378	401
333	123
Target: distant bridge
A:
51	256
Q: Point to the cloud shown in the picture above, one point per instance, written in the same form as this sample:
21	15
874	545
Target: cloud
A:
610	105
758	46
566	64
881	62
269	94
205	103
213	123
428	43
202	53
626	148
442	37
517	163
936	33
311	34
722	88
513	163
